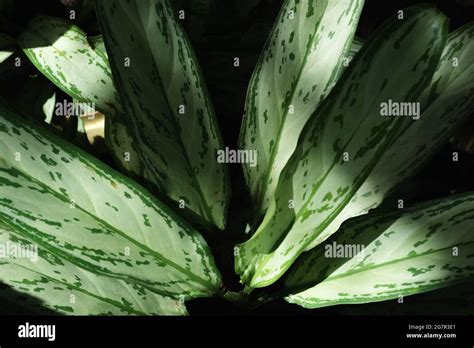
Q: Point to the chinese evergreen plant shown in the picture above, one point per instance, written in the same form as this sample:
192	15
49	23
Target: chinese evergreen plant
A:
319	154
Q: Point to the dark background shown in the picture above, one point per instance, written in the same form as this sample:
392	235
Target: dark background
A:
239	28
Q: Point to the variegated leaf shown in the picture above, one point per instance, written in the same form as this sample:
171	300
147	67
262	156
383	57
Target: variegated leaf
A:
167	106
97	44
300	64
60	50
51	282
117	135
386	256
83	212
456	66
124	149
445	105
79	66
343	142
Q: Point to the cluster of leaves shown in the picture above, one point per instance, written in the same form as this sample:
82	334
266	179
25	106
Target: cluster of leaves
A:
326	157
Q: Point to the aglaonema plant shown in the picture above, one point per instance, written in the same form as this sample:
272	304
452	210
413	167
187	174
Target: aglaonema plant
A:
321	122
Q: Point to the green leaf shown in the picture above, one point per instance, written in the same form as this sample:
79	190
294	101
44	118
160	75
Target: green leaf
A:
97	44
157	76
454	74
83	212
299	66
7	47
446	104
63	287
79	66
426	247
343	142
60	50
123	148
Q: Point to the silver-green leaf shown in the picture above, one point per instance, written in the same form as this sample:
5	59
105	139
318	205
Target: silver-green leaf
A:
386	256
300	64
343	142
79	66
123	148
60	50
167	106
83	212
44	281
445	105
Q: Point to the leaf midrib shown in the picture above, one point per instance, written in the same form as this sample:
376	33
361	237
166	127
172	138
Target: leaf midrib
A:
390	138
152	252
202	198
266	177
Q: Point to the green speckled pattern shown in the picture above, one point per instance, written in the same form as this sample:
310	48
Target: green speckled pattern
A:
88	216
451	100
317	181
300	64
79	66
60	50
178	150
429	246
